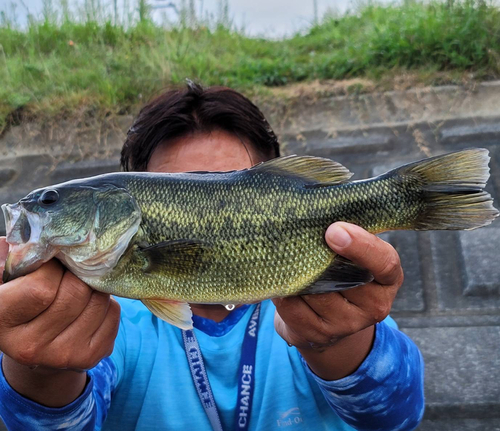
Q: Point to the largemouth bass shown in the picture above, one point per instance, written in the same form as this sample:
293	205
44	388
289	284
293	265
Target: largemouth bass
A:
234	237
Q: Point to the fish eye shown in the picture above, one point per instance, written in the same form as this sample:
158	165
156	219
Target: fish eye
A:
49	197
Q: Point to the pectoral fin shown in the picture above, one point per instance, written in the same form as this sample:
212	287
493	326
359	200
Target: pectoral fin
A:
179	257
342	274
176	313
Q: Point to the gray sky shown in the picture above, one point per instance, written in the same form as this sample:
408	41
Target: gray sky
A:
273	18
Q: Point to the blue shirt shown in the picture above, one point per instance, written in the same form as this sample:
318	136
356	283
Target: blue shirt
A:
146	383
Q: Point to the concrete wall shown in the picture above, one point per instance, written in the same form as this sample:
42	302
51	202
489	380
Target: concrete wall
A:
450	301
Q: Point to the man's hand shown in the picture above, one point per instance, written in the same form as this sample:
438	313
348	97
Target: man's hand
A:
52	327
334	331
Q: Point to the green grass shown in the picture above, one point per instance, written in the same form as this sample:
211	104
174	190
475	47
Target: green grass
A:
63	65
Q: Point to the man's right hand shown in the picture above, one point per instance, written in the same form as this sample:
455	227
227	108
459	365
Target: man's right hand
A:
52	328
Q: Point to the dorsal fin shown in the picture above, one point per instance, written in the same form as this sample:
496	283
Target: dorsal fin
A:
314	171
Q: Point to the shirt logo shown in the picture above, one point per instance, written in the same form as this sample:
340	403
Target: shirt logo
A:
289	418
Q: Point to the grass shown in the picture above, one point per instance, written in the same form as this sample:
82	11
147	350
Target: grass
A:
61	65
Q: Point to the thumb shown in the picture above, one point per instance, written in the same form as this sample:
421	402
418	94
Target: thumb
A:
366	250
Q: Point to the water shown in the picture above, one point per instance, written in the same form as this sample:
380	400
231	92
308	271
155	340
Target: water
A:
269	18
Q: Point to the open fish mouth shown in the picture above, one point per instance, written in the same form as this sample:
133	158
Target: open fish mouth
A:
27	249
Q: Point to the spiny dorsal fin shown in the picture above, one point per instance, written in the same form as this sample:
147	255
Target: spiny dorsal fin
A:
314	171
178	257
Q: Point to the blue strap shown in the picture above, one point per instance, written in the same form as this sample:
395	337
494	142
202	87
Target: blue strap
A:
200	378
246	377
246	381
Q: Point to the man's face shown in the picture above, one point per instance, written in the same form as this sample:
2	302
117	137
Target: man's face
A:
217	151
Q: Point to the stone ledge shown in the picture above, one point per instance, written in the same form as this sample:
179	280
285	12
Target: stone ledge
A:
460	425
431	105
466	269
466	318
411	295
462	371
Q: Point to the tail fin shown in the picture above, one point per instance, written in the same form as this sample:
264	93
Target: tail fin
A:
453	192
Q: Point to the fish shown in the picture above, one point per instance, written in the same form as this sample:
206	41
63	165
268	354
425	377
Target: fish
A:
171	239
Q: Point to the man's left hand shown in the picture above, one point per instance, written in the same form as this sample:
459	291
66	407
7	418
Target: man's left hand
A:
334	331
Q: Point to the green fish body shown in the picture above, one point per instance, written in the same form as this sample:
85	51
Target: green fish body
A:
236	237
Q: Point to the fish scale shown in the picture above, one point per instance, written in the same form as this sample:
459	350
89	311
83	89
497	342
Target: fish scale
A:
236	237
282	254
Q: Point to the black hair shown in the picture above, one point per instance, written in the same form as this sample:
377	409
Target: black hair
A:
194	109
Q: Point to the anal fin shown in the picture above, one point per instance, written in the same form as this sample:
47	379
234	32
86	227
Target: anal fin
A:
176	313
342	274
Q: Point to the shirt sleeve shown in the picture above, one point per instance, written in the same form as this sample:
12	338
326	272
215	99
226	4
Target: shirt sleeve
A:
386	391
86	413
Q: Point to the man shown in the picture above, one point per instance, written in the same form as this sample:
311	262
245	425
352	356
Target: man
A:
333	366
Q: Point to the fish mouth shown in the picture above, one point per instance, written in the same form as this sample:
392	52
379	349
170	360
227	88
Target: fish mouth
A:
27	249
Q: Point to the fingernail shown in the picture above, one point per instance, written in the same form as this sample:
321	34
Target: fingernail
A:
339	237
